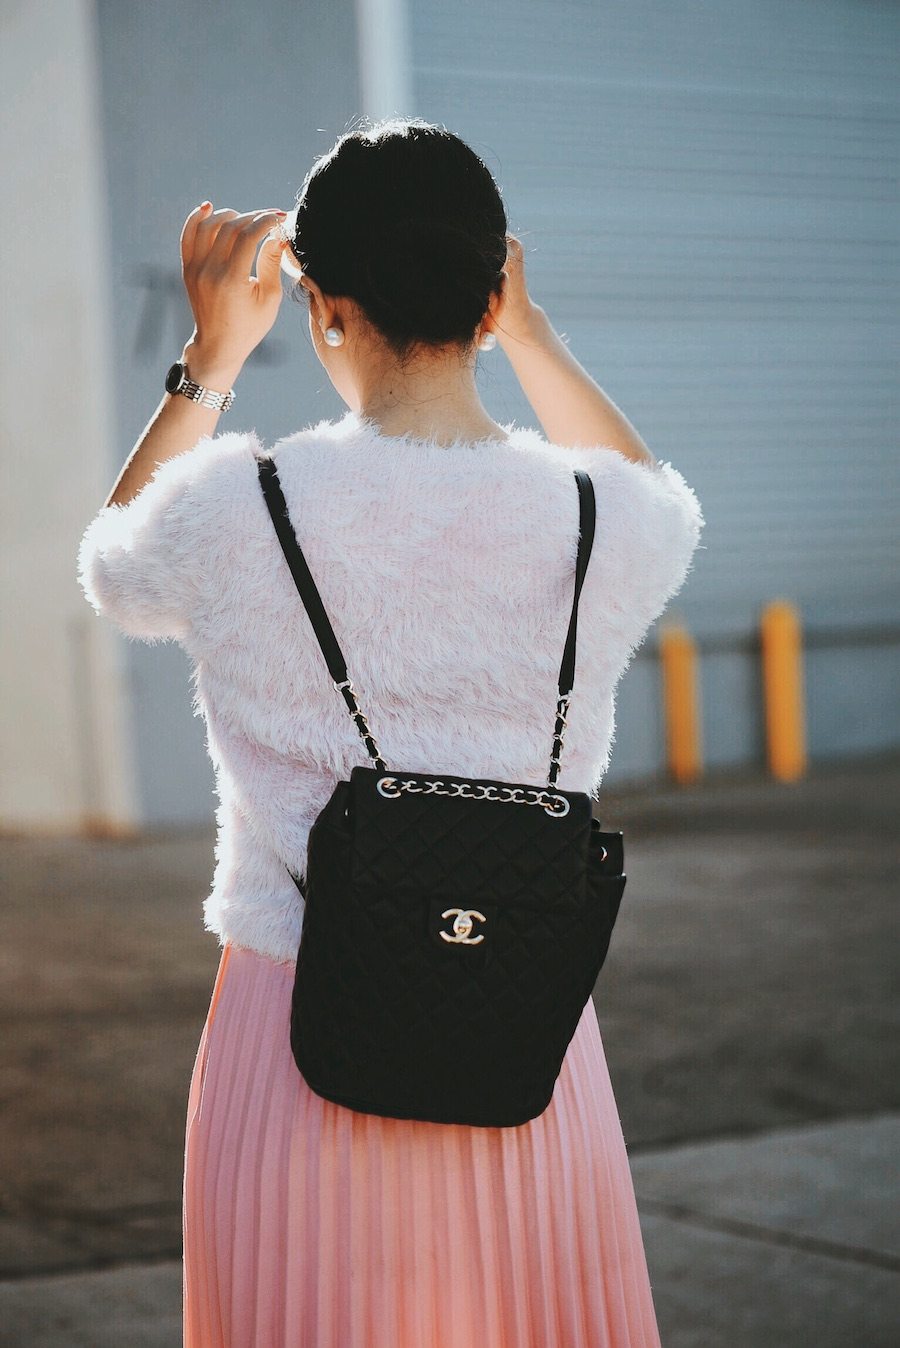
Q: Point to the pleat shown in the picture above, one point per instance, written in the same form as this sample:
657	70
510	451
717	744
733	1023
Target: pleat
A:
308	1225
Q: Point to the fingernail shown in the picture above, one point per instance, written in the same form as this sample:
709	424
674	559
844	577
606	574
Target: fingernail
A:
204	204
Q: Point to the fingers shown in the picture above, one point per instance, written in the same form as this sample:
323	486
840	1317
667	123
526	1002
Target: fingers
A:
238	231
248	237
189	232
201	230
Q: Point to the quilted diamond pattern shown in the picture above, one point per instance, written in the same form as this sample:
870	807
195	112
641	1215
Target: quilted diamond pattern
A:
518	850
391	1017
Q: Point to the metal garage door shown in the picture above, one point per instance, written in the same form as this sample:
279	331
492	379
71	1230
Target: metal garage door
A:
707	192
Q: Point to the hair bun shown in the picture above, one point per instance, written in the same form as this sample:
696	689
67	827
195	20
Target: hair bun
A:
429	274
408	221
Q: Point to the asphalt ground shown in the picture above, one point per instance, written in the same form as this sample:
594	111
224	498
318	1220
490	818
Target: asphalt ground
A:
748	1010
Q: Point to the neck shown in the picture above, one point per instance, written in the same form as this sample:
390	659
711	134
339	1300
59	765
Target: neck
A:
434	399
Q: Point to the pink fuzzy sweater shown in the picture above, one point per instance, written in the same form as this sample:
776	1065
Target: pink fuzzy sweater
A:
448	576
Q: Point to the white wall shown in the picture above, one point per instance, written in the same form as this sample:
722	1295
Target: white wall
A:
65	744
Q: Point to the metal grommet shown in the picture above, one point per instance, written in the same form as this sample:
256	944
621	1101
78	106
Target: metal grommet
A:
558	814
382	785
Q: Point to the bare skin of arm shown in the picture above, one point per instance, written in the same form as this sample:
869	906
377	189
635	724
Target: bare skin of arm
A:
176	426
572	408
232	310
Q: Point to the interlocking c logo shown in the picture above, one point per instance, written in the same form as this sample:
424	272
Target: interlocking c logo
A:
462	926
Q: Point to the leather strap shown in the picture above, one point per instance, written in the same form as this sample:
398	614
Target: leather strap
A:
586	526
274	497
309	593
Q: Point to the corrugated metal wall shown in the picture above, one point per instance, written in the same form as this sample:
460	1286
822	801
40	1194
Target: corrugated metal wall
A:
708	195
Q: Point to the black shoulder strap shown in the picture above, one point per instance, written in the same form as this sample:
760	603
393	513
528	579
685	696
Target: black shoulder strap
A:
586	526
334	658
274	497
312	600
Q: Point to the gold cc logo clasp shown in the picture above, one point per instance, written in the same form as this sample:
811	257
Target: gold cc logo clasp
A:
462	926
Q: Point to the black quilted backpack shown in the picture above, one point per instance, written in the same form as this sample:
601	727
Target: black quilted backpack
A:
453	928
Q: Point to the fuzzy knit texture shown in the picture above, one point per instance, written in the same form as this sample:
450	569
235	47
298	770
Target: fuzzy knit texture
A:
447	573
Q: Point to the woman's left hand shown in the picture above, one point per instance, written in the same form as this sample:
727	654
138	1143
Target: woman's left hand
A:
233	310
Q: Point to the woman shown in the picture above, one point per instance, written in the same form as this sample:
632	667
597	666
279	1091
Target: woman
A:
443	544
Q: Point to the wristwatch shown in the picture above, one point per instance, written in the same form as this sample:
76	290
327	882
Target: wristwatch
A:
178	380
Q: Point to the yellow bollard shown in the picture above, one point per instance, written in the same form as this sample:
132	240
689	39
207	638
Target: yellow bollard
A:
678	660
782	673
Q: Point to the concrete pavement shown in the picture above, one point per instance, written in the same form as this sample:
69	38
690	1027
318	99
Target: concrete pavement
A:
787	1238
748	1012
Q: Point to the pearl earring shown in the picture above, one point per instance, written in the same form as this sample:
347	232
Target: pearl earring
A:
487	341
334	336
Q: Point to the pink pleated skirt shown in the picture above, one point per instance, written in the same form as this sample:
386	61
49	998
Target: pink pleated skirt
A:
310	1225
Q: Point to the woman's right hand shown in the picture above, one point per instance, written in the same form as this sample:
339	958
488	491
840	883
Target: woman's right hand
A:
513	314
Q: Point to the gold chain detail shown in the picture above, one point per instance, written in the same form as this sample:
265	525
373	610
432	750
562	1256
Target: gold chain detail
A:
562	706
557	806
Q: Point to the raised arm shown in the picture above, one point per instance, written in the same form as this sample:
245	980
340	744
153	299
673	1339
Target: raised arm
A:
572	408
233	310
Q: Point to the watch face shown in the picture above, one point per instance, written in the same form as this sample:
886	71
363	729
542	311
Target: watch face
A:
175	377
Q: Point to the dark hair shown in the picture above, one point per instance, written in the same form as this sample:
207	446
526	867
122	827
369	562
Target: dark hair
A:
406	219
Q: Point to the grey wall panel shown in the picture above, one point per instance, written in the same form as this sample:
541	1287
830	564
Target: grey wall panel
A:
232	103
175	784
852	699
731	710
708	199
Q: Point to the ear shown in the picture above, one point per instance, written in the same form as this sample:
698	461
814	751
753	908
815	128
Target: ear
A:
308	284
321	305
496	297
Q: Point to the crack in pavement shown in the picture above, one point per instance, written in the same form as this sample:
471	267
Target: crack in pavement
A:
734	1226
